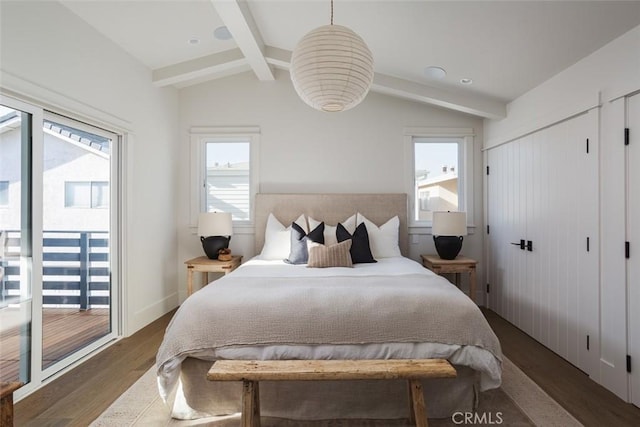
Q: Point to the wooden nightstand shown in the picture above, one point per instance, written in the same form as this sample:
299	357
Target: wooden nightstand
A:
206	266
459	265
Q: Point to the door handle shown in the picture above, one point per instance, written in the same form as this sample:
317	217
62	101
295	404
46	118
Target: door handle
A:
521	244
529	245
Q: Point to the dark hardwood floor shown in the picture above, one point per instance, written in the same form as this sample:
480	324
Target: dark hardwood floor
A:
81	395
78	397
590	403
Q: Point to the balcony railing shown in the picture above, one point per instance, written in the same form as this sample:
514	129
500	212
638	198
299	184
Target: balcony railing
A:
75	270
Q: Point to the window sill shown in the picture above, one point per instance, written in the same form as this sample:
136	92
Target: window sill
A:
237	229
426	229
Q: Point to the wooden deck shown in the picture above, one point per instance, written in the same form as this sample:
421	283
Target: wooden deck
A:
64	331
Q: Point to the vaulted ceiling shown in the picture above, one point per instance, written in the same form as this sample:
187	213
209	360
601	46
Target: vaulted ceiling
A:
505	47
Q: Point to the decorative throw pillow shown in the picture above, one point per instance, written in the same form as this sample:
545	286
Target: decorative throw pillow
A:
277	238
299	253
321	256
383	239
330	230
360	250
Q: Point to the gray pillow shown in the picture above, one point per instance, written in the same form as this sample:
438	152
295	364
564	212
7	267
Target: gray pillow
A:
299	253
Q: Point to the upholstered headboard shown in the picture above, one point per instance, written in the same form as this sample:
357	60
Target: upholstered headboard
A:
331	208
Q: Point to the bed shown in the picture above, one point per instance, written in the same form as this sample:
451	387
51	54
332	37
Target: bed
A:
268	309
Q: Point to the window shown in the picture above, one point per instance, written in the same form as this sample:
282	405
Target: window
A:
4	193
226	178
438	164
436	180
86	194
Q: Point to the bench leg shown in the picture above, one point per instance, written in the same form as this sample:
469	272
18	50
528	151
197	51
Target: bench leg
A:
6	410
418	410
412	418
250	404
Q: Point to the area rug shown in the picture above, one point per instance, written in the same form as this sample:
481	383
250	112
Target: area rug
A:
518	402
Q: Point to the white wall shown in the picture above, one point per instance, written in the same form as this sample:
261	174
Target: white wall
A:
52	57
610	72
303	150
602	79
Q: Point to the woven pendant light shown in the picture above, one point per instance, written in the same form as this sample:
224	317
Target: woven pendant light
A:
332	68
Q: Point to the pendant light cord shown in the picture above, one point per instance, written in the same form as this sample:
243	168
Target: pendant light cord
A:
331	12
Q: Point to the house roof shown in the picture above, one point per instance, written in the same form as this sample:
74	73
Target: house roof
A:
10	120
96	142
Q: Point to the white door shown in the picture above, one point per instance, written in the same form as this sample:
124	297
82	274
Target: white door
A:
543	189
506	218
587	150
633	233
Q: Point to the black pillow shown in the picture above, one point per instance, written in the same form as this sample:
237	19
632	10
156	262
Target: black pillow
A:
299	253
360	249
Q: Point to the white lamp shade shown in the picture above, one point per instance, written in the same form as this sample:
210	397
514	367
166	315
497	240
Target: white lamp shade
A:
215	224
449	224
332	68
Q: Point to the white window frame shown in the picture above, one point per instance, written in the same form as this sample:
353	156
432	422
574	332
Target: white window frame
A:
199	137
465	172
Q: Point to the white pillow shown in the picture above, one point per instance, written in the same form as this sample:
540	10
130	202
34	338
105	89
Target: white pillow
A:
277	238
383	240
330	230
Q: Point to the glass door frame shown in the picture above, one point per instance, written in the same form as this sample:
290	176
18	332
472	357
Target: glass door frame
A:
114	244
33	265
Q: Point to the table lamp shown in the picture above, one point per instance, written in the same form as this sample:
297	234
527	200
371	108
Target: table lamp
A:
215	230
447	229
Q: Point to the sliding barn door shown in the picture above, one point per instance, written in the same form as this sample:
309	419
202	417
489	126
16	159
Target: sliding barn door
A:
543	189
633	227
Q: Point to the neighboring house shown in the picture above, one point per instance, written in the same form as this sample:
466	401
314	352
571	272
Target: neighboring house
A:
75	194
439	193
75	180
228	189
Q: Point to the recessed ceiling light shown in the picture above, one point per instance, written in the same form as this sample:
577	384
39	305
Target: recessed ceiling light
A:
435	72
194	40
222	33
466	81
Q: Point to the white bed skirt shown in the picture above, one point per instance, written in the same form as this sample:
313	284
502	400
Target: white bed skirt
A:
384	399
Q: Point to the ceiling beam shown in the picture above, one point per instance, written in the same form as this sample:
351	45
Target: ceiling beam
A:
211	65
467	103
233	61
240	23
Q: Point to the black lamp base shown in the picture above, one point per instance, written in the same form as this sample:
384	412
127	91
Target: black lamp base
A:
213	244
448	247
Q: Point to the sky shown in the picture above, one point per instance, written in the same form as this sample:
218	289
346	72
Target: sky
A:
432	156
429	156
227	152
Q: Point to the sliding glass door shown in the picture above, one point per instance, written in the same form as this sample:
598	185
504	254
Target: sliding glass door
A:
78	174
16	261
58	241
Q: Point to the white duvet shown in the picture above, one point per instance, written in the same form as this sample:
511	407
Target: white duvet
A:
201	306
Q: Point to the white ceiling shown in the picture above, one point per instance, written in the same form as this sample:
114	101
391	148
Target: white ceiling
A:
506	47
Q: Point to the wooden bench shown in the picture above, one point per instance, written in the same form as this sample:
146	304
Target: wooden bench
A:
6	402
250	372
